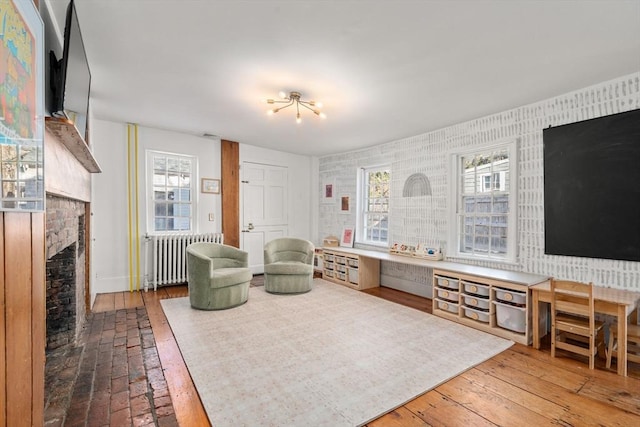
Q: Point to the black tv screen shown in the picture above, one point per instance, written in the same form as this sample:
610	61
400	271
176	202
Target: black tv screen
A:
592	188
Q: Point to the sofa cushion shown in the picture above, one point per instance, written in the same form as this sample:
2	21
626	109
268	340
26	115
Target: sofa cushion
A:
288	267
224	277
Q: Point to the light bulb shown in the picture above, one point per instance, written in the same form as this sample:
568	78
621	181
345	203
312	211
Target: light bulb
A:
298	119
323	115
319	104
269	112
282	95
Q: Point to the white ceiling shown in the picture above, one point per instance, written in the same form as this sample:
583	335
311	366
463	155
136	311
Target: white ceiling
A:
384	70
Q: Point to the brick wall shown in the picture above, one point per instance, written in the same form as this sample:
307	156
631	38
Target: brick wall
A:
65	249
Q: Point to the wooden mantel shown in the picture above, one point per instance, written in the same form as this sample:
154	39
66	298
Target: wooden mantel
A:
68	135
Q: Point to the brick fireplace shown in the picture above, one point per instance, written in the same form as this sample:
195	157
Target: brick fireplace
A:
65	269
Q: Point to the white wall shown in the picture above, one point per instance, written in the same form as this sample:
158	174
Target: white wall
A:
425	219
109	222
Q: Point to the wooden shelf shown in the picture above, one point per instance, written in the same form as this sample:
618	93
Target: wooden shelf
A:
68	135
493	289
354	271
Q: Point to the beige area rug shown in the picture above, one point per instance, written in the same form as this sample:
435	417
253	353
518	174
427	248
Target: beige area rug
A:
330	357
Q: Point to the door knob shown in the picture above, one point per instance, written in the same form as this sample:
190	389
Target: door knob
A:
250	227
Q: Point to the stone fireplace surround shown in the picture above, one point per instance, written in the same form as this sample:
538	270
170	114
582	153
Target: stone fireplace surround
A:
65	281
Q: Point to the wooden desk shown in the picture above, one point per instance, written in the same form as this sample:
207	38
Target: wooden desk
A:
615	302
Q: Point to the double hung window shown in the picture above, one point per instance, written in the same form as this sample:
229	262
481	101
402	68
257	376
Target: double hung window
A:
485	209
373	206
171	188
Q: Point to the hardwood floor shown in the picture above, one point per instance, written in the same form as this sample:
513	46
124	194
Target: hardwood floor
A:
520	386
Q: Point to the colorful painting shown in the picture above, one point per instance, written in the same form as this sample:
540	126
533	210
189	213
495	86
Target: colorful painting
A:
21	107
347	237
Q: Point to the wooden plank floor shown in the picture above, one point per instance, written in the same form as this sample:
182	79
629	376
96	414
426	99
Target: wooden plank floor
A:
520	386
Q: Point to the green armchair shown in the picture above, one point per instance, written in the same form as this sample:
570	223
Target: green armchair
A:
218	276
288	266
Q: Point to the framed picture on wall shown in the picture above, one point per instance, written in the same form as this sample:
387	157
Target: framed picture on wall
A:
328	191
347	237
22	108
345	205
210	185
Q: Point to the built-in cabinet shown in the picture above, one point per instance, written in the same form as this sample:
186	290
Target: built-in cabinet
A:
499	307
349	269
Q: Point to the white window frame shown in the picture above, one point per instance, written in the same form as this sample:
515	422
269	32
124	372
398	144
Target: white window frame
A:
150	192
362	219
457	213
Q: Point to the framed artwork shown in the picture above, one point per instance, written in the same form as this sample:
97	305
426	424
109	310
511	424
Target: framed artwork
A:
348	235
328	192
22	108
345	204
210	185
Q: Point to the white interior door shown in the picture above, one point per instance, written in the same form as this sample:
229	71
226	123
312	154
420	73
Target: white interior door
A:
264	209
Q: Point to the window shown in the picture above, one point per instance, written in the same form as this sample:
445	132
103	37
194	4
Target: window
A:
373	206
171	180
485	208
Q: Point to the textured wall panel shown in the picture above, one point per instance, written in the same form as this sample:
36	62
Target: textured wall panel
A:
425	219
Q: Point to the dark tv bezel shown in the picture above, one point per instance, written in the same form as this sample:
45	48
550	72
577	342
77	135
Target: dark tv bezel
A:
59	71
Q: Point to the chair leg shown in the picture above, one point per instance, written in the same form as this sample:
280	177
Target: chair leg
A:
610	349
602	346
553	341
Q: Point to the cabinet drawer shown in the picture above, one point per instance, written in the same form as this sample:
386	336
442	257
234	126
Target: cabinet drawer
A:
511	317
353	275
510	296
447	306
446	294
447	282
328	273
352	262
477	302
328	257
476	288
341	268
479	315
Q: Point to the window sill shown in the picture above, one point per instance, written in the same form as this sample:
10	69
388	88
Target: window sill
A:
465	258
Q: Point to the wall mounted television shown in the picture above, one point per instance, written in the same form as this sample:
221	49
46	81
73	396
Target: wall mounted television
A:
70	78
592	188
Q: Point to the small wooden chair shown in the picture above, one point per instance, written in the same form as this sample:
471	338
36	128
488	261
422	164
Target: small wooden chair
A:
633	344
573	320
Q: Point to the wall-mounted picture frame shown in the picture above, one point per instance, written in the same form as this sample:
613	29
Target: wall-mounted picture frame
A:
22	71
347	237
345	204
210	185
328	191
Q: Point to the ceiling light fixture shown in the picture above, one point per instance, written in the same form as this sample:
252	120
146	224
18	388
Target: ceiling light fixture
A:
294	99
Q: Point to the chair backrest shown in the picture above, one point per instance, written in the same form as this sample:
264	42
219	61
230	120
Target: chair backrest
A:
220	256
288	249
573	298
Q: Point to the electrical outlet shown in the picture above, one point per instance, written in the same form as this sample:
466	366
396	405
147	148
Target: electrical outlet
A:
211	217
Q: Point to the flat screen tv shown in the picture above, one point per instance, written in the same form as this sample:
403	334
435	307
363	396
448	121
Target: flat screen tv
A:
592	188
70	76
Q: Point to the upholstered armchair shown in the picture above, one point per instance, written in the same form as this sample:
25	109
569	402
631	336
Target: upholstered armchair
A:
288	265
218	276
